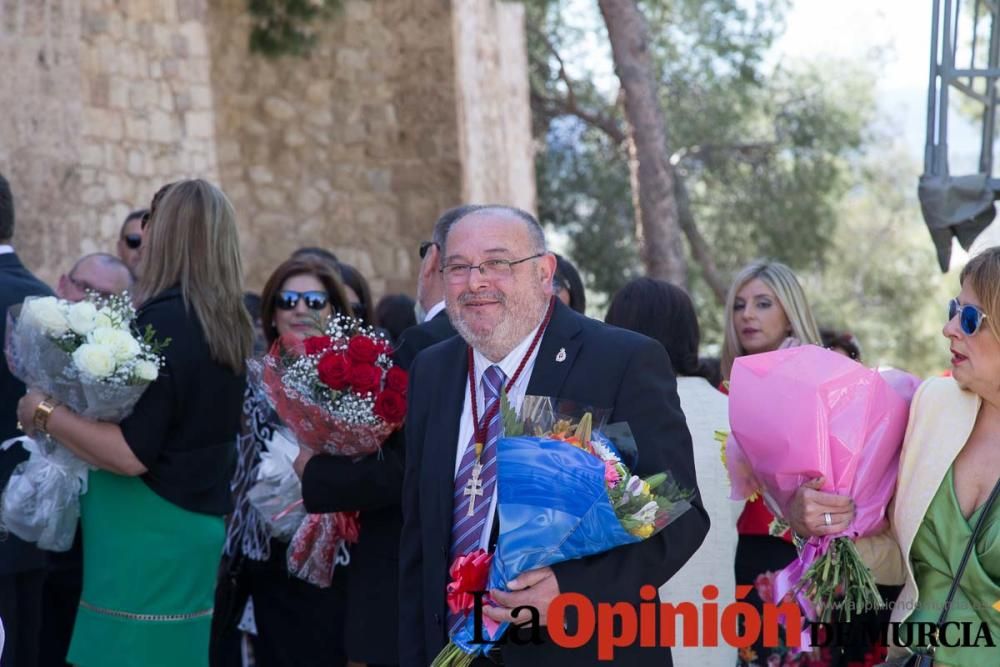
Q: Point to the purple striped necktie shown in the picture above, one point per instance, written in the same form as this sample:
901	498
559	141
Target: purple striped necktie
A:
467	525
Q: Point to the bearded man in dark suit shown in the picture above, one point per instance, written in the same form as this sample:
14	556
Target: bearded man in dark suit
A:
498	282
22	566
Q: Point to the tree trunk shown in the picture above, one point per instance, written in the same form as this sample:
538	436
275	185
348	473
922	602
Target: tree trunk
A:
657	221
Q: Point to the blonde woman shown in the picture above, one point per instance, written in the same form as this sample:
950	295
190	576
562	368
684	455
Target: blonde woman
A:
766	309
152	517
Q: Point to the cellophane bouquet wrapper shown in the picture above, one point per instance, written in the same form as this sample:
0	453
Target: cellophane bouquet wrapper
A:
41	502
554	505
805	412
325	411
277	492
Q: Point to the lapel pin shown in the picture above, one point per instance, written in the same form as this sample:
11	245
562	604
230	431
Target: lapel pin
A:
561	356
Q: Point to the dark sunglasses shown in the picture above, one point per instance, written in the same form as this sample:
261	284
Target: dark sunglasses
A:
315	300
133	241
970	318
425	246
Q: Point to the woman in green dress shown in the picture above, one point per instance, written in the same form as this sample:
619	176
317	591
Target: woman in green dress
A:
948	469
152	518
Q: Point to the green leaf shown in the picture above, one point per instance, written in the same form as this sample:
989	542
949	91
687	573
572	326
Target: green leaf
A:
512	425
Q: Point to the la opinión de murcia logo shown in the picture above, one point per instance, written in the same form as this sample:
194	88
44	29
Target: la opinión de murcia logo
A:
738	624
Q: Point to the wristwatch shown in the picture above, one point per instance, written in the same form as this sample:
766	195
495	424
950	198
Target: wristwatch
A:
42	413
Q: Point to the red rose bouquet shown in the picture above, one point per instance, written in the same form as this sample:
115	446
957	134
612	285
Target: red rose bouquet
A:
338	394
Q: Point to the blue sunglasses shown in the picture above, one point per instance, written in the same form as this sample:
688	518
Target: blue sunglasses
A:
970	317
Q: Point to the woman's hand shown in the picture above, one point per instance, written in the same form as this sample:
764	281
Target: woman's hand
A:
299	465
26	410
814	513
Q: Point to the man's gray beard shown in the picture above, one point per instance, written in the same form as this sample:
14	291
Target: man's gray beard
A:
519	320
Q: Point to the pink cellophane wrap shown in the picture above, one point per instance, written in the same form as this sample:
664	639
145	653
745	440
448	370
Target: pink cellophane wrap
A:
312	551
804	412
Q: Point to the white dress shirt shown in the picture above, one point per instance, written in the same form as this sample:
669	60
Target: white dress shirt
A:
435	309
515	395
6	249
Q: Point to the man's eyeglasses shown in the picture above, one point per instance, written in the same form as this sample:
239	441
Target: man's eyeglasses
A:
87	288
970	318
425	246
495	269
314	299
133	241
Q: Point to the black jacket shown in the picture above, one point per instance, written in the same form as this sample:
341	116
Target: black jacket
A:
374	487
603	366
182	429
16	283
422	336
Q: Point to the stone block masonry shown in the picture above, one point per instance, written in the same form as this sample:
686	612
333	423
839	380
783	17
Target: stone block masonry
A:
357	148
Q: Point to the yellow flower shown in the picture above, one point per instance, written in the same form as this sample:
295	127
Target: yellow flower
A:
643	531
645	488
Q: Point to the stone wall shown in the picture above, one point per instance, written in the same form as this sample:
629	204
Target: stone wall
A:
357	148
147	107
40	126
353	149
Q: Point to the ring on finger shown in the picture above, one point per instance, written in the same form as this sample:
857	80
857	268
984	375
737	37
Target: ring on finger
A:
827	519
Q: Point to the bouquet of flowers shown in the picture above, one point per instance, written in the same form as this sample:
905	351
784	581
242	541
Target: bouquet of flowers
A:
563	492
805	412
339	394
87	356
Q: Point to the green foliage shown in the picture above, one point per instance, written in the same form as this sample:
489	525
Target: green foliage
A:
881	282
774	156
287	27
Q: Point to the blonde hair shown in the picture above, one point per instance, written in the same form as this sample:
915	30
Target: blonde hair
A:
191	241
788	291
983	274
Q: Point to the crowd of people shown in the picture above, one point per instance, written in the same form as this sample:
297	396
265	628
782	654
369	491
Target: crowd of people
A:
173	564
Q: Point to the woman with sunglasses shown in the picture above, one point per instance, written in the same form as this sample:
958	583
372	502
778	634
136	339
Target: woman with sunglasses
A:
152	516
948	471
296	623
766	309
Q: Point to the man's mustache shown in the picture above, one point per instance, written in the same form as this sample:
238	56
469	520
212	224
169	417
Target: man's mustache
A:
467	297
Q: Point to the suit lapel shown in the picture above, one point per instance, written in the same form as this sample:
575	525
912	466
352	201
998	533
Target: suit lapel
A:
556	353
442	436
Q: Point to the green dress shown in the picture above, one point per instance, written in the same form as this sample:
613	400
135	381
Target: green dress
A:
148	578
936	554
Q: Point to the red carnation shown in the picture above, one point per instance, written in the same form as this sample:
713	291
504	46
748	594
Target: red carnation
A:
333	369
317	344
364	378
362	350
397	379
390	406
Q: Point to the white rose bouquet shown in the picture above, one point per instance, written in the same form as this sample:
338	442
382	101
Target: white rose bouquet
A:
88	357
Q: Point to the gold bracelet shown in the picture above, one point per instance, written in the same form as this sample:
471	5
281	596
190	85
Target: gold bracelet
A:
42	413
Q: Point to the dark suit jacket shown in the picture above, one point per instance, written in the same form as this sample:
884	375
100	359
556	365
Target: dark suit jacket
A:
16	283
604	367
422	336
373	486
